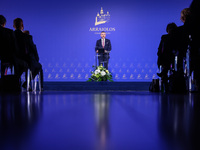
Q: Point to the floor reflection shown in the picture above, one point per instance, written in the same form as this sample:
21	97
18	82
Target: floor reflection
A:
99	121
179	120
18	115
102	106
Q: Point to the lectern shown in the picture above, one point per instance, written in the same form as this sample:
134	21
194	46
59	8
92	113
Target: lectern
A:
100	53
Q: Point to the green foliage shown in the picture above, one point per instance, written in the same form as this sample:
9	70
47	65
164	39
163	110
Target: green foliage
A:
100	74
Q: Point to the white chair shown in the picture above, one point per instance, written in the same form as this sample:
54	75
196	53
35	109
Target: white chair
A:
33	82
37	79
29	80
160	80
8	66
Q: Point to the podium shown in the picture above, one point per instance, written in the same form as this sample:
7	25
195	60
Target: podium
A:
101	53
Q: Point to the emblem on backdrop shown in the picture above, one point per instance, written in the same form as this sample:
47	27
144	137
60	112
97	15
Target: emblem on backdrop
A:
102	19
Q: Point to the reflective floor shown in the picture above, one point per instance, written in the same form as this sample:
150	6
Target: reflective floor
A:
99	121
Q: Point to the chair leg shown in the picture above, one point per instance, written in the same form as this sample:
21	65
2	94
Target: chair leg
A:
190	83
160	80
39	80
176	63
13	70
6	71
28	80
31	80
35	84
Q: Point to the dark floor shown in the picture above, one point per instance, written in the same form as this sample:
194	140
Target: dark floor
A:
99	121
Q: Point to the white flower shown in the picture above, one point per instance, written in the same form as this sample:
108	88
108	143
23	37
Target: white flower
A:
97	71
103	73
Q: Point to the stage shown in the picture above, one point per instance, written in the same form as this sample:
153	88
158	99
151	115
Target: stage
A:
96	86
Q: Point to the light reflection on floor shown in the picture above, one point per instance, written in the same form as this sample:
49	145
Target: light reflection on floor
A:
99	121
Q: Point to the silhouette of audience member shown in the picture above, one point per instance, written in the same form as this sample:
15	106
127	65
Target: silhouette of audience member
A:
26	32
26	48
181	38
192	26
185	14
175	44
36	57
8	50
165	50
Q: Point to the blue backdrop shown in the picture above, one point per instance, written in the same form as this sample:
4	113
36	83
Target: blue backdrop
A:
65	34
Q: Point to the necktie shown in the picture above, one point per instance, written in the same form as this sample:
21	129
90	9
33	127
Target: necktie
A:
103	43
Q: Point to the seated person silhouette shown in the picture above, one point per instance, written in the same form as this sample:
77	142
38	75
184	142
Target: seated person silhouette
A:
192	25
26	48
36	57
181	38
165	50
9	50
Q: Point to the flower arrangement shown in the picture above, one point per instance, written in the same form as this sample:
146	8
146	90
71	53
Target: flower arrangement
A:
100	74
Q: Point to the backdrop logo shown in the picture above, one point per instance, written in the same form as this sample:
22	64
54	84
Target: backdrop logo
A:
102	19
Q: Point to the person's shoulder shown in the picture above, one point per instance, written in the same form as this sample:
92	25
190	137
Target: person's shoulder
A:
18	32
164	36
180	28
108	40
28	36
8	30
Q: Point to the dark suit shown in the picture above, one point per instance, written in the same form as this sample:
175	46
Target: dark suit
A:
181	38
104	57
165	50
23	45
35	57
165	53
8	52
192	27
27	51
7	47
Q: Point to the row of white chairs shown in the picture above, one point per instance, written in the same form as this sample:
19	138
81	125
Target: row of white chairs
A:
31	83
187	73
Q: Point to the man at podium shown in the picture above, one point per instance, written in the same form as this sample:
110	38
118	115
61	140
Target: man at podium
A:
103	48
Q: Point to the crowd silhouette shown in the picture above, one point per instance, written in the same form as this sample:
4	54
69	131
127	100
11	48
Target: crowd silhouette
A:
179	52
18	52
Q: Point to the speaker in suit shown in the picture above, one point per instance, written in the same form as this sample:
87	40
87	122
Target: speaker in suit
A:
104	44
